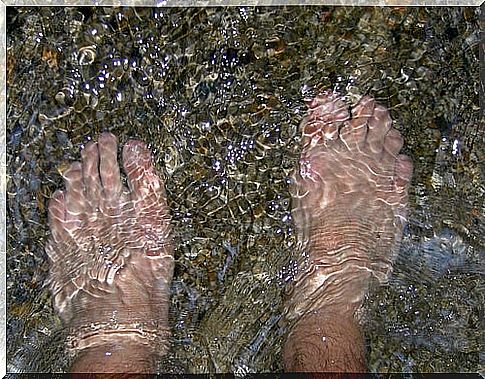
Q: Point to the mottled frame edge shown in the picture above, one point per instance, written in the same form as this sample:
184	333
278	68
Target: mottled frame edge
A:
221	3
160	3
3	190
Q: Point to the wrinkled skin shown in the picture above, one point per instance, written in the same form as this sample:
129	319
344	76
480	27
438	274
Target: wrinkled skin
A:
350	195
111	258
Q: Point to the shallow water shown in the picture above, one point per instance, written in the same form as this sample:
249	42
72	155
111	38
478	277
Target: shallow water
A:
219	94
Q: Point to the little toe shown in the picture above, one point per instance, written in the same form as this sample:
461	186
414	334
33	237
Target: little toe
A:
379	124
143	180
109	169
393	143
75	198
92	181
403	172
57	215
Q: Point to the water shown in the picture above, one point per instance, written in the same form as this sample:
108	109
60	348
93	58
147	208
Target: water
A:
218	94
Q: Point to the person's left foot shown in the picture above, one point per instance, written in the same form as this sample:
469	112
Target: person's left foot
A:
111	252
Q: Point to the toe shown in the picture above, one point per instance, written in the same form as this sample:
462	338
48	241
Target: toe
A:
92	181
108	165
379	124
75	199
143	180
57	215
393	143
403	172
326	114
354	132
364	109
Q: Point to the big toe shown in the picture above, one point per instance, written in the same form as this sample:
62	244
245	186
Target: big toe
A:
393	143
326	113
403	171
145	185
379	125
57	217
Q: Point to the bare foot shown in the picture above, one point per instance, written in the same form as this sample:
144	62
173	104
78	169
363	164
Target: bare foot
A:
111	252
350	196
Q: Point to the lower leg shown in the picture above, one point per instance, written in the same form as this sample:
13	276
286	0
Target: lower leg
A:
115	358
325	342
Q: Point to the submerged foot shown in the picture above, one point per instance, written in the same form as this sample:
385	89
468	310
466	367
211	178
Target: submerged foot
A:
350	197
110	251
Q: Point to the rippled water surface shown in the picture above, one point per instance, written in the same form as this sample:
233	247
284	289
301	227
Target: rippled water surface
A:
219	94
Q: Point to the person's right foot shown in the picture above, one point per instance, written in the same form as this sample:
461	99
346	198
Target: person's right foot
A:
350	196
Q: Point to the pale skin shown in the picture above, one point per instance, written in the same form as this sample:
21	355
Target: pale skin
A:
111	249
350	197
111	257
